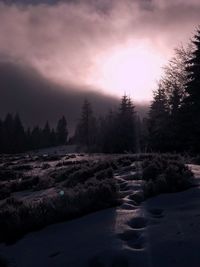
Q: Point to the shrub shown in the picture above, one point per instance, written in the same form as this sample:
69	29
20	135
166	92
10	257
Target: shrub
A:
26	167
101	175
6	175
17	218
14	201
163	174
62	175
86	172
44	183
45	166
24	184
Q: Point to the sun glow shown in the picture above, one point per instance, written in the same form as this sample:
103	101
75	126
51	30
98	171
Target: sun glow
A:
131	69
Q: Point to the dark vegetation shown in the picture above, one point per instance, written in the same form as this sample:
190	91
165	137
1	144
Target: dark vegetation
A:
68	188
67	192
174	117
164	174
14	138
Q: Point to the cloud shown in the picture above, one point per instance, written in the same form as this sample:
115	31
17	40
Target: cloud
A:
36	99
63	39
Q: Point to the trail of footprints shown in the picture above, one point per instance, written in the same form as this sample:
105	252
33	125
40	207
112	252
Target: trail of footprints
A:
134	237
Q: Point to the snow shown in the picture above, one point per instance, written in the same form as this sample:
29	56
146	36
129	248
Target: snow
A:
162	231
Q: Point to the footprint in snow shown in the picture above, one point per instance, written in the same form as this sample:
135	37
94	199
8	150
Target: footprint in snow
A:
156	213
138	223
134	239
127	206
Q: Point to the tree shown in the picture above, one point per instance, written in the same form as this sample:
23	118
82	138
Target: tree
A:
175	74
86	130
191	107
53	137
107	133
62	131
158	121
46	135
36	140
8	134
19	142
126	125
166	118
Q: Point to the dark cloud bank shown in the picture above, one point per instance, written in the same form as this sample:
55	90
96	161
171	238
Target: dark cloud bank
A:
37	99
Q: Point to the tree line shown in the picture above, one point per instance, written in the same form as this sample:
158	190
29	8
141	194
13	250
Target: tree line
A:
173	121
173	124
14	138
114	133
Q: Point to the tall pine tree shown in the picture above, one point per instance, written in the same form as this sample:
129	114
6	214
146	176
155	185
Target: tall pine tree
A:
62	131
86	129
191	107
158	121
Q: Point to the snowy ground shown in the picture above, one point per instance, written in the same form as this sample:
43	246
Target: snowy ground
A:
162	231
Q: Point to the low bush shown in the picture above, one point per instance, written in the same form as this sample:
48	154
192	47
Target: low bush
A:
99	169
24	183
25	167
6	175
165	175
18	218
44	182
45	166
63	174
101	175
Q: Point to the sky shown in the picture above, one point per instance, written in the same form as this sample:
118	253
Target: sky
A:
103	46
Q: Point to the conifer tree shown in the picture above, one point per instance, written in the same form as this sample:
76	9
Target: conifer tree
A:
62	131
87	127
19	142
125	126
158	121
46	135
191	107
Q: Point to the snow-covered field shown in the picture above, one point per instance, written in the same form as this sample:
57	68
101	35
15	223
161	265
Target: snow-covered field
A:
162	231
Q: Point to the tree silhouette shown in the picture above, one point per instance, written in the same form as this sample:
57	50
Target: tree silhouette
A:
46	135
126	126
158	121
191	107
19	141
87	127
61	131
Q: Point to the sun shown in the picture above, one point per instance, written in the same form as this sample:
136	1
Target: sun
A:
130	69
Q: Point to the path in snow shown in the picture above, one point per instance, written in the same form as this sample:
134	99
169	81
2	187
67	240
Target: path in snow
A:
162	231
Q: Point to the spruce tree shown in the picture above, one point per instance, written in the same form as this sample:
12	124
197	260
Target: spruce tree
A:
46	135
62	131
8	134
191	107
86	130
19	142
158	121
125	126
